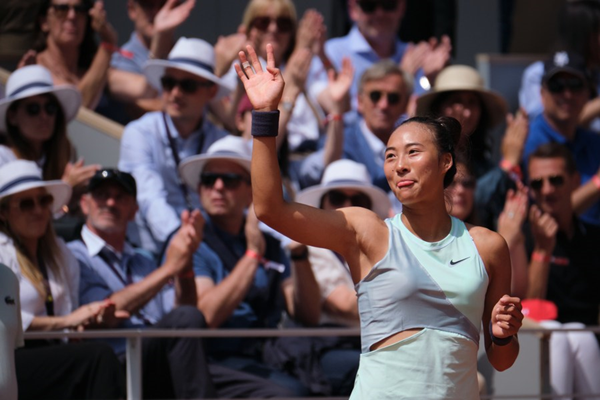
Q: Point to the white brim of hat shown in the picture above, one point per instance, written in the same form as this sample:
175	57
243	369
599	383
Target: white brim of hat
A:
60	190
67	95
155	69
191	167
495	105
380	201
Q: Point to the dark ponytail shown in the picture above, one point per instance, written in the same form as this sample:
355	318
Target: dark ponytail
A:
446	133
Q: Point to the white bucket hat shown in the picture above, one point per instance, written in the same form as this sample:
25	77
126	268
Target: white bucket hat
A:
33	80
463	77
230	148
21	175
347	174
196	56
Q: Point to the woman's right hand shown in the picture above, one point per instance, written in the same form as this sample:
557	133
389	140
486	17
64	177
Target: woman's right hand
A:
79	174
264	88
101	25
86	315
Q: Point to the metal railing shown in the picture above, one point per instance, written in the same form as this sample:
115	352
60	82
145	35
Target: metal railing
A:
134	339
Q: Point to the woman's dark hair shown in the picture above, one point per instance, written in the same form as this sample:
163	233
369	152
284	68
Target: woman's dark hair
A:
446	133
578	28
87	48
478	148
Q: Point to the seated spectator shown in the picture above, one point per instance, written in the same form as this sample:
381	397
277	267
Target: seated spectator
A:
34	117
563	268
566	88
459	92
72	55
153	146
154	23
112	269
242	275
461	203
578	32
11	331
49	280
383	93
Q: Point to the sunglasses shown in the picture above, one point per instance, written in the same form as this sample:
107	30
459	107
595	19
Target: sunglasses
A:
559	85
369	7
465	183
338	199
230	181
62	10
393	98
28	204
284	24
34	109
188	86
556	181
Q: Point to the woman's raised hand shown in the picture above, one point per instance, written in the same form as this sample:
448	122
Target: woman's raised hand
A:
264	88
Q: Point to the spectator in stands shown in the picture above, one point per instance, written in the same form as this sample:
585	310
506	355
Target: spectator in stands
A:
563	268
373	37
242	275
153	146
17	30
162	297
459	92
155	22
66	46
49	280
345	183
461	202
566	88
11	331
383	93
578	32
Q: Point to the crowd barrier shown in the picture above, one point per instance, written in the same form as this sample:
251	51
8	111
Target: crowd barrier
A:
134	339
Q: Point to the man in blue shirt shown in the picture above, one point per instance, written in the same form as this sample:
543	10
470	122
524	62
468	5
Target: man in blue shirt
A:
242	274
147	296
153	146
566	88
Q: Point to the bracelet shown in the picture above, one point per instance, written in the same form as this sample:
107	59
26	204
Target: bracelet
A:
188	274
499	341
111	48
513	170
265	123
253	254
301	256
562	261
332	117
596	181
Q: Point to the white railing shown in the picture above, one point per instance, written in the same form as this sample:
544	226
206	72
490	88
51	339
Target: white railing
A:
134	356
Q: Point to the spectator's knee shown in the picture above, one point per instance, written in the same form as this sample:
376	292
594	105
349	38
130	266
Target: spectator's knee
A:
187	317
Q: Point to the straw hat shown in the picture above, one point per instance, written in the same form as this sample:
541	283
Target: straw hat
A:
230	148
347	174
21	175
463	77
34	80
195	56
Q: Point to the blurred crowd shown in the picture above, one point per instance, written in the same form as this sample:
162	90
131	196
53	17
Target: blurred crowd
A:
168	238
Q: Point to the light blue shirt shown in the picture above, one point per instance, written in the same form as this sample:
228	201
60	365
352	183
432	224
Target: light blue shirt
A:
146	154
140	54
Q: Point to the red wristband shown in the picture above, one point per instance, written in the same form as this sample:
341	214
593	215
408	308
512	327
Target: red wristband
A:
187	274
537	256
332	117
596	181
111	48
253	254
513	170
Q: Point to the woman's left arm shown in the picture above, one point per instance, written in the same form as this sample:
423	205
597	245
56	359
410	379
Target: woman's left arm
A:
502	317
92	83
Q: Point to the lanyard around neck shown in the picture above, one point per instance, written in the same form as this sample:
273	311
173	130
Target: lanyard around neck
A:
49	299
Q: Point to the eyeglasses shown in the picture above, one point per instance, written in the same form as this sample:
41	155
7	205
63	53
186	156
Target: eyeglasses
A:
556	181
465	183
559	85
230	181
34	109
284	24
338	199
369	6
393	98
62	10
188	86
28	204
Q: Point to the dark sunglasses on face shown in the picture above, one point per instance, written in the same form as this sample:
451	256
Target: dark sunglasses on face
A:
284	24
62	10
230	181
559	85
393	98
188	86
34	109
28	204
369	6
338	199
556	181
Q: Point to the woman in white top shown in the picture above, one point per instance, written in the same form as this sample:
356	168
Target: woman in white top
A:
49	283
